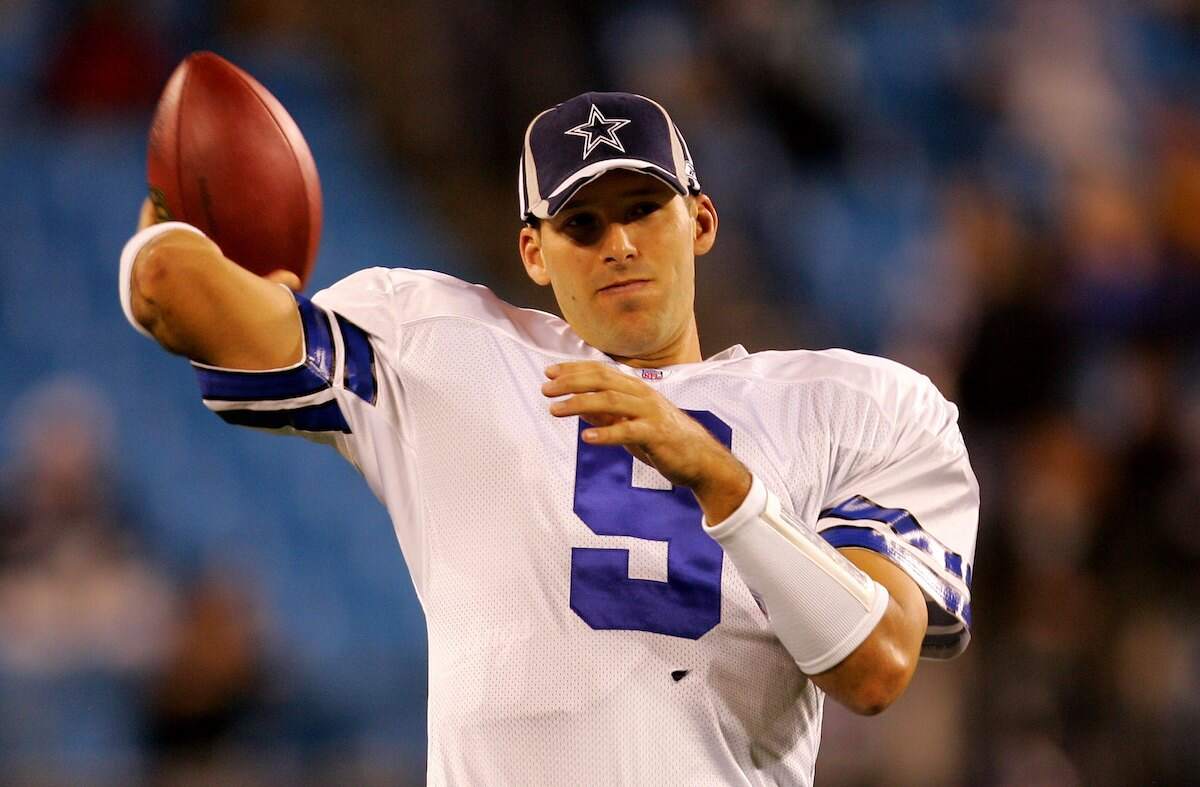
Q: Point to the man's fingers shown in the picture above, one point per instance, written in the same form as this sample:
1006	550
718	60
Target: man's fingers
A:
588	376
146	216
602	403
620	433
286	278
567	367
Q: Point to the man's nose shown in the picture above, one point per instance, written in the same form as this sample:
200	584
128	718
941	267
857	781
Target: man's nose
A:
618	245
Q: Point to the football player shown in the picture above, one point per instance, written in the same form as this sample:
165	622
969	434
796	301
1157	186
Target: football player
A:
638	566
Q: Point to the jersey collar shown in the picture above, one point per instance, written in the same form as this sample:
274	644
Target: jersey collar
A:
729	354
655	375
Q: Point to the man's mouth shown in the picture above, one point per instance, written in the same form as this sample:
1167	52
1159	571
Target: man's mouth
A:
629	285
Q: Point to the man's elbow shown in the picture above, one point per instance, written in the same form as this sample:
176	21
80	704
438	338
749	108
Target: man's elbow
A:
880	686
161	271
873	698
165	273
154	279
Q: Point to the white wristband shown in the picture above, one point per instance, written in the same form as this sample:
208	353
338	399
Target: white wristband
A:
128	254
820	605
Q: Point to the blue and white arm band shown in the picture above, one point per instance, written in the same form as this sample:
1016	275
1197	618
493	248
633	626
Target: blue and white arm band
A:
133	247
820	605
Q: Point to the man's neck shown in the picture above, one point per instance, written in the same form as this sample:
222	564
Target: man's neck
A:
685	349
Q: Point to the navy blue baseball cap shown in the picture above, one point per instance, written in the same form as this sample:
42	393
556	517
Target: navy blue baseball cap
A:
577	141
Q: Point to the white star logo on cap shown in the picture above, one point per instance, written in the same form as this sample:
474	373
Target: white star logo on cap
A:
599	130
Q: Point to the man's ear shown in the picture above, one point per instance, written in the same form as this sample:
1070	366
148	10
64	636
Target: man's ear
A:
529	243
705	223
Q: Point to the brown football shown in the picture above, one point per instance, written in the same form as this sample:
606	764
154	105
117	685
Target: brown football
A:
226	157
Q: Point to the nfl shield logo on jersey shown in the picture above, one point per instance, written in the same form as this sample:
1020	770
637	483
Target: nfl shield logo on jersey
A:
651	374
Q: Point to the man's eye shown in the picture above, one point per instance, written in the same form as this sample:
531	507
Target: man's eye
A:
580	221
643	209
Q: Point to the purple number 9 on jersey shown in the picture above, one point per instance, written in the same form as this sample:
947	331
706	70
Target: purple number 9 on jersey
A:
688	604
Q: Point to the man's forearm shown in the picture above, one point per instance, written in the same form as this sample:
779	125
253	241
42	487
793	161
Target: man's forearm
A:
878	671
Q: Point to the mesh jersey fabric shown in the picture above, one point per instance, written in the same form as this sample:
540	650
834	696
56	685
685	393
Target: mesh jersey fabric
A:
545	666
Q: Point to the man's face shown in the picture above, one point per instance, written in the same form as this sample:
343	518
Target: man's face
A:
621	259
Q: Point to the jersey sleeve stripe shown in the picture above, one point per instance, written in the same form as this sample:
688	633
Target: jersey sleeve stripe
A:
903	524
942	643
324	417
360	361
950	598
949	607
320	397
310	375
239	387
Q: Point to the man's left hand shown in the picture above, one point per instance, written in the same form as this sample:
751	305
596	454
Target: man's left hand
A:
625	411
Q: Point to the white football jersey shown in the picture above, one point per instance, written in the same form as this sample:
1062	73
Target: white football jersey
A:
583	629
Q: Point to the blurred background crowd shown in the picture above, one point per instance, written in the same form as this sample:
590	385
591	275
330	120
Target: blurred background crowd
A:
1003	195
